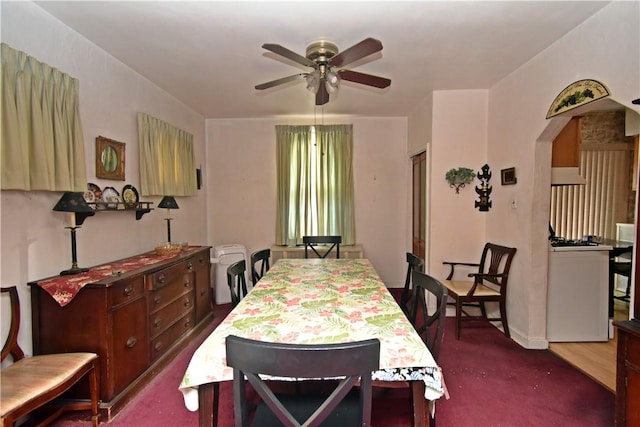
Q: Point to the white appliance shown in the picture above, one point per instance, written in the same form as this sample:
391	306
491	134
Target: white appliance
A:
578	294
225	255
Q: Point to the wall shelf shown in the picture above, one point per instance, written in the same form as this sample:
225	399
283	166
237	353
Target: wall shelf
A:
139	208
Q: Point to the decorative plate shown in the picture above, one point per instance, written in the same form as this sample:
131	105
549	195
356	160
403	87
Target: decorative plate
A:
111	196
97	196
130	196
89	197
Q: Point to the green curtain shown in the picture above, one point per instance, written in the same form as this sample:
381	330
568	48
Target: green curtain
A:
314	183
42	144
167	166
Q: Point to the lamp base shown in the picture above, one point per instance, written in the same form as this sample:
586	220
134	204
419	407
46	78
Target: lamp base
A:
73	270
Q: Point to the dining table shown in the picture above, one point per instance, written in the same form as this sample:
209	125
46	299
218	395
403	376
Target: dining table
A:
317	301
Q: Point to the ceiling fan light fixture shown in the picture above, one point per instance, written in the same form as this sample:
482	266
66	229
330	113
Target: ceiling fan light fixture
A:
313	81
333	82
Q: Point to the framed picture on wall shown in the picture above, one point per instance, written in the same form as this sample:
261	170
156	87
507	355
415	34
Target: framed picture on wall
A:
109	159
508	176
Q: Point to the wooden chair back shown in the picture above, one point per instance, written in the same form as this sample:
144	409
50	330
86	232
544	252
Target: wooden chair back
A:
354	361
311	242
430	326
237	281
495	265
260	257
414	263
11	346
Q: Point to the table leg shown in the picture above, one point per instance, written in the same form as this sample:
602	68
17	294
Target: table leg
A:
420	407
208	398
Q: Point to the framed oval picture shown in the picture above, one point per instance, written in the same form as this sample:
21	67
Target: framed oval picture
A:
109	159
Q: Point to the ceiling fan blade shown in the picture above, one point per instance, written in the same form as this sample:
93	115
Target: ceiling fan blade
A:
322	96
364	79
365	48
289	54
280	81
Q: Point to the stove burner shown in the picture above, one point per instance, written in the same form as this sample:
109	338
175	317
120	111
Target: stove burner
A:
563	242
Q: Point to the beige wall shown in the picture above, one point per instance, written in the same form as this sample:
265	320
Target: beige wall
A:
241	186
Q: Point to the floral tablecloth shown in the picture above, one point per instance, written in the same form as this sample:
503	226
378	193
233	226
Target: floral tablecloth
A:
314	301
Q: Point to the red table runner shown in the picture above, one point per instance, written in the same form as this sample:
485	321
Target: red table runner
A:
64	288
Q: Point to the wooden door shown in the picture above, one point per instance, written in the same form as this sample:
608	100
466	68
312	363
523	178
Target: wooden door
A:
419	204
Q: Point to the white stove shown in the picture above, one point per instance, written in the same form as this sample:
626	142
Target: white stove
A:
586	247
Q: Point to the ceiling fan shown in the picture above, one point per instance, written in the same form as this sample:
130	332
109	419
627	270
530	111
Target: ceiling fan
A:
323	56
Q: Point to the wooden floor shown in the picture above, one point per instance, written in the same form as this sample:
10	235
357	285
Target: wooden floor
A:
596	359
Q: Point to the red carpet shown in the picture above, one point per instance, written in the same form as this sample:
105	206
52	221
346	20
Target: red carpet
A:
491	379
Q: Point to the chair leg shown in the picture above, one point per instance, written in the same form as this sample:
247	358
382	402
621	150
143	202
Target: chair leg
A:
458	318
503	316
94	387
483	310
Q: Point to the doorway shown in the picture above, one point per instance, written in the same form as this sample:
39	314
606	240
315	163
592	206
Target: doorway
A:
598	359
419	204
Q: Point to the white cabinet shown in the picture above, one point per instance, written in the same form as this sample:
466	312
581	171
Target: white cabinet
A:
578	294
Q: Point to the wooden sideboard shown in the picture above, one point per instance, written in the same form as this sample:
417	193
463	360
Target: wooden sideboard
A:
346	251
628	374
136	321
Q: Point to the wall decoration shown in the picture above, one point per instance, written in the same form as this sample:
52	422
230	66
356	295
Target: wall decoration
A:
577	94
109	159
484	190
508	176
459	177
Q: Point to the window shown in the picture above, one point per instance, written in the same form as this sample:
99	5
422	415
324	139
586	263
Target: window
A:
314	183
594	208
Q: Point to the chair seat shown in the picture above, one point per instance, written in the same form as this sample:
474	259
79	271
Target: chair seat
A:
347	413
462	288
31	377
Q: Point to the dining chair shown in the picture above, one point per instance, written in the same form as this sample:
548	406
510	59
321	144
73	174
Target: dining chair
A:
312	242
30	383
345	406
414	263
237	281
430	326
489	284
260	257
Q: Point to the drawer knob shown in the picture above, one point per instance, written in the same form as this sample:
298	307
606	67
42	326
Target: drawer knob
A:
132	341
161	278
156	299
187	323
129	290
157	321
189	266
187	283
187	302
158	346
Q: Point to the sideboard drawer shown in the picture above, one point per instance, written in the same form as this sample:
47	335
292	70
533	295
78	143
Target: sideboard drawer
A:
169	275
160	298
165	340
161	320
126	290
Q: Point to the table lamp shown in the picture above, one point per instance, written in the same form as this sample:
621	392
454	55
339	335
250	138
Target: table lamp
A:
74	203
168	203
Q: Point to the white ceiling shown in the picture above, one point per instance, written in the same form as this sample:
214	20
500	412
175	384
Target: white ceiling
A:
208	54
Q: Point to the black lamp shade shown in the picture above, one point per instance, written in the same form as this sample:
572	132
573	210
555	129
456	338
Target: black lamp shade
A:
168	202
72	202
